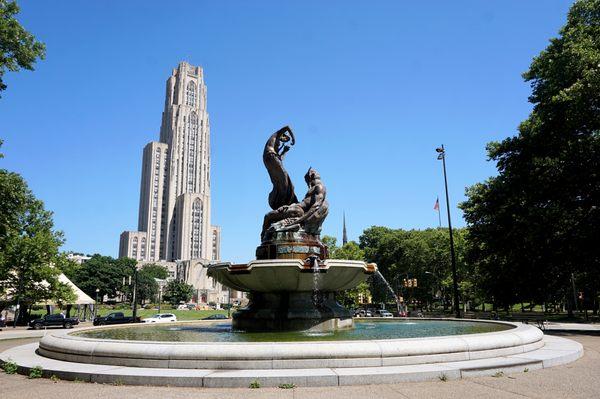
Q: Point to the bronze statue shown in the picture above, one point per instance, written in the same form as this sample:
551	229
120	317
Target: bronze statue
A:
288	214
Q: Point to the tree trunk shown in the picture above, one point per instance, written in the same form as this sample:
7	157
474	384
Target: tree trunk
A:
569	307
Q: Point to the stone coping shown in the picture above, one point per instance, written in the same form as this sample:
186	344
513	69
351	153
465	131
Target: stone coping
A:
62	345
555	351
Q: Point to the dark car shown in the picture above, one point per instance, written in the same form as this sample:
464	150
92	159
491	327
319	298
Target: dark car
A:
54	320
112	318
217	316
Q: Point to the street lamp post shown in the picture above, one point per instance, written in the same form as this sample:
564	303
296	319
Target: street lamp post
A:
135	281
96	304
442	156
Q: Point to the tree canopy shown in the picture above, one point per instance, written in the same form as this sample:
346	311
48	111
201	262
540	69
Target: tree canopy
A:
29	247
18	48
176	292
537	222
103	273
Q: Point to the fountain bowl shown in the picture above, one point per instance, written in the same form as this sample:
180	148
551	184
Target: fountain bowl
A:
292	294
291	275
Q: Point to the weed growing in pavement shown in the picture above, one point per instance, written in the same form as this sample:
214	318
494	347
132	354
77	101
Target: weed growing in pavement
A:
10	367
36	372
255	384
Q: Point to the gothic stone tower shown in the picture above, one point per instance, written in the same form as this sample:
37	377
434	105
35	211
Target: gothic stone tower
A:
174	213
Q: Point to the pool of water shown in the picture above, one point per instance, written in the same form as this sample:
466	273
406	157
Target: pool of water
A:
363	330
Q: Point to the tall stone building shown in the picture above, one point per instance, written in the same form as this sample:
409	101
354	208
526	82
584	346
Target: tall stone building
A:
174	211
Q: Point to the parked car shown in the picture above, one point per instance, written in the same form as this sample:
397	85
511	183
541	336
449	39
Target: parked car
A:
183	307
363	313
217	316
112	318
53	320
383	313
161	318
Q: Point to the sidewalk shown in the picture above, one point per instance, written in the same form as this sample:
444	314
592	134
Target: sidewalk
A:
573	327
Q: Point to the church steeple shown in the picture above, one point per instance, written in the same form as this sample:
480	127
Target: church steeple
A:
344	234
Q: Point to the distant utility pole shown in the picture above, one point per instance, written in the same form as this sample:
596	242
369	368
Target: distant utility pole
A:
442	156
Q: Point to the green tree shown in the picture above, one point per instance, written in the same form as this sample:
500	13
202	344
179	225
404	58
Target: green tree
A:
147	287
18	48
415	254
350	251
29	247
176	292
103	273
537	222
155	271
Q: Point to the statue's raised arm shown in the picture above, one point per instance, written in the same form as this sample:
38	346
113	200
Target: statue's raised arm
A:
276	147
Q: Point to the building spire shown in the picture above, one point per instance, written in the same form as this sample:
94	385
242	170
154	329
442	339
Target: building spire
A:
344	234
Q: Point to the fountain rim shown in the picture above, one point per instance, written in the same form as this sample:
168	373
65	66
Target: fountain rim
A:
64	346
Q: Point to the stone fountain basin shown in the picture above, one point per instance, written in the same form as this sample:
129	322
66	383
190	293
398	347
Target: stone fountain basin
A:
65	346
291	275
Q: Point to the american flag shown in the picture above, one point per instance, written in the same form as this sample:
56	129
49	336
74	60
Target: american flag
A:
436	207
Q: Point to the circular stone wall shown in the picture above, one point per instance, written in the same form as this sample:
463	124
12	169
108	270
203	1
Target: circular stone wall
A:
62	345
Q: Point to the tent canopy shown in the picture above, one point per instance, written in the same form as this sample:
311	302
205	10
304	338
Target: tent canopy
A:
81	298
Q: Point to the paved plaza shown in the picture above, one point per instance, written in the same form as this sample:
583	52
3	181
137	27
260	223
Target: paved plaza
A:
574	380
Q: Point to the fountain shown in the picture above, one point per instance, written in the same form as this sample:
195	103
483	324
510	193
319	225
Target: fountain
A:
292	283
293	330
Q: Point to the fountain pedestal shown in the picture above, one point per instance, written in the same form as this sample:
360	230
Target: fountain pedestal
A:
292	294
292	311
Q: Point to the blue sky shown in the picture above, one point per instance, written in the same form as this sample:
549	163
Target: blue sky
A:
370	89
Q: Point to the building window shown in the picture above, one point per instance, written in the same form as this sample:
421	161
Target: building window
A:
192	143
196	240
143	248
190	94
134	249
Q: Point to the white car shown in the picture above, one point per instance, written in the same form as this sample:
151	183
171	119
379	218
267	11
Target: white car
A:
383	313
161	318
